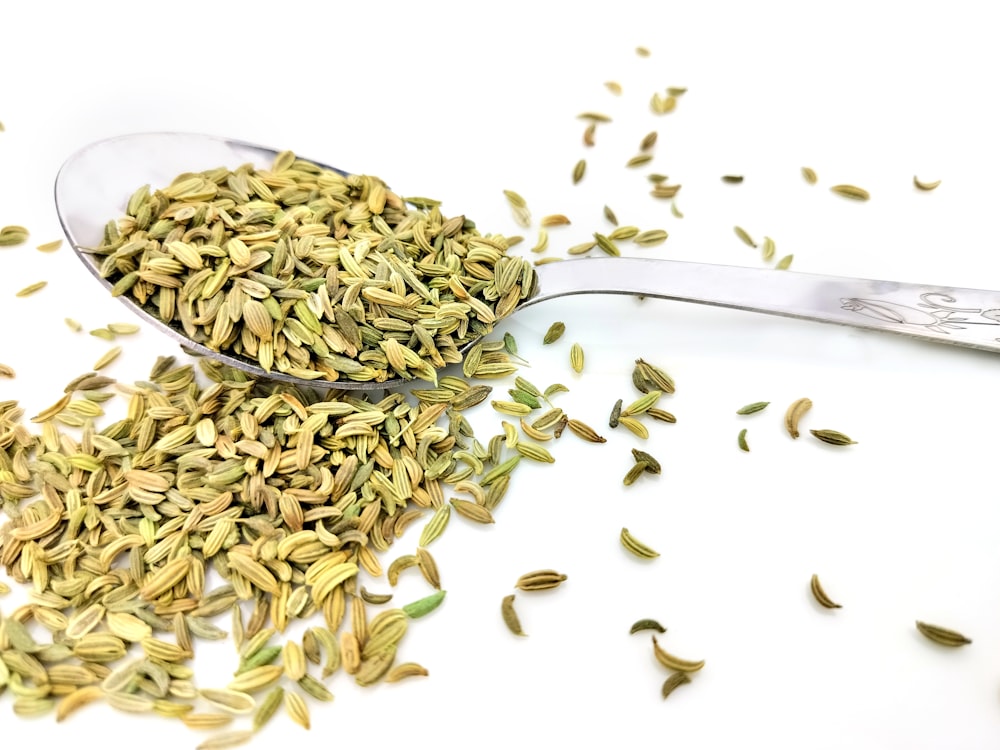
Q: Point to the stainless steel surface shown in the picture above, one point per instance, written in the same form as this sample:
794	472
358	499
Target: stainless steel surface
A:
94	184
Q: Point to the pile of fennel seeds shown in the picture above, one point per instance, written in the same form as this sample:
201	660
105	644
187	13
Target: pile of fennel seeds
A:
302	270
285	493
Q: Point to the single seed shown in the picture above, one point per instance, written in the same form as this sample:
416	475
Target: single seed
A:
73	325
638	160
809	175
794	413
820	594
851	191
944	636
472	511
576	357
747	239
614	87
636	547
672	662
918	184
741	441
662	416
51	247
588	134
634	426
555	220
642	52
732	179
540	580
297	709
648	141
584	431
642	404
673	682
108	357
543	242
650	237
578	170
12	235
646	624
7	371
833	437
753	408
510	616
556	330
424	606
616	412
583	247
593	117
607	245
637	470
784	263
407	669
610	216
227	740
32	288
676	211
767	250
652	465
623	233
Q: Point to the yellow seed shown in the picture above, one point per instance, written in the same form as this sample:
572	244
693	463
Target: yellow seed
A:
636	547
407	669
297	709
540	580
576	357
820	594
925	185
109	356
555	220
32	288
672	662
578	170
50	247
794	413
809	175
851	191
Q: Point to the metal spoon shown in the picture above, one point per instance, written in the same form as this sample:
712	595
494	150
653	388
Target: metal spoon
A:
94	184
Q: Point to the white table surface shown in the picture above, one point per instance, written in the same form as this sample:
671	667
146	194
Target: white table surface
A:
460	101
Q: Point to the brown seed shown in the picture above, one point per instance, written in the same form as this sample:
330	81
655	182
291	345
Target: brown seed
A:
732	179
673	682
540	580
944	636
578	170
672	662
510	616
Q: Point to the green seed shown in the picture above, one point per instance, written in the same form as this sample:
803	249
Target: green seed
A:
646	624
851	191
741	440
833	437
556	330
753	408
576	358
742	234
784	263
424	606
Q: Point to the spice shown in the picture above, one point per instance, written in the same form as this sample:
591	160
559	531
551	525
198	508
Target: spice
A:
944	636
820	594
510	617
794	413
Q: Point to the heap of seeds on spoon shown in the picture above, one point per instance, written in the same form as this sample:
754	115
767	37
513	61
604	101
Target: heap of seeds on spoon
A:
265	502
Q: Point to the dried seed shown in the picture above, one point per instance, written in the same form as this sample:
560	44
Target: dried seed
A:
268	707
73	325
207	721
784	263
229	700
515	199
607	245
315	688
511	408
732	179
32	288
676	211
107	358
673	682
646	624
616	413
12	235
648	141
407	669
584	431
642	404
623	233
809	175
753	408
576	357
833	437
942	635
424	606
767	249
652	465
472	511
510	617
672	662
741	441
6	371
610	215
51	247
593	117
555	220
746	238
123	329
556	330
647	377
851	191
638	160
650	237
614	87
543	242
578	170
820	594
637	470
636	547
428	568
662	416
634	426
642	52
588	134
583	247
794	413
539	580
925	185
297	709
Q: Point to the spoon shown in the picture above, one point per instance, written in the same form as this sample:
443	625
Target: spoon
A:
94	184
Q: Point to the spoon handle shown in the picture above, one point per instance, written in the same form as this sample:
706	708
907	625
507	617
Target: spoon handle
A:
950	315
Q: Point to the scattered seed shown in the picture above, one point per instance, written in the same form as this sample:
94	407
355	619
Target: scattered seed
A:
767	250
588	134
407	669
593	117
579	168
650	237
638	160
942	635
556	330
540	580
648	141
662	416
13	235
543	242
614	87
672	662
6	371
424	606
616	413
673	682
794	413
747	239
510	617
741	441
636	547
576	357
51	247
820	594
642	52
634	426
73	325
732	179
646	624
784	263
809	175
676	211
107	358
925	185
851	191
637	470
753	408
32	288
833	437
584	431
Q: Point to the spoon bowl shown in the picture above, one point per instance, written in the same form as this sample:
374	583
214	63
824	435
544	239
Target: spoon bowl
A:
94	184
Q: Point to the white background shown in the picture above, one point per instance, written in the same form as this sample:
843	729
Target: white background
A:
459	101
